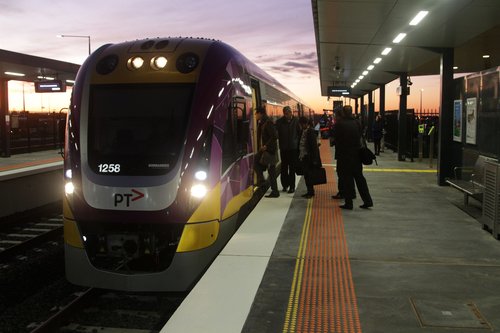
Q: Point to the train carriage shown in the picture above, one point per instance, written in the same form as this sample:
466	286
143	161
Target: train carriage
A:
158	160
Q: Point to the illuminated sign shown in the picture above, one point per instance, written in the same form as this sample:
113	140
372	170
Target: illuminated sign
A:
49	86
338	90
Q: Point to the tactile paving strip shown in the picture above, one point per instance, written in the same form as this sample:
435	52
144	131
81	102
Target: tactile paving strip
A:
323	298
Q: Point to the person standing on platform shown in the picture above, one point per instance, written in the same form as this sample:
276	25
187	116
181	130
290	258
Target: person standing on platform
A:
288	137
347	144
308	153
267	148
377	133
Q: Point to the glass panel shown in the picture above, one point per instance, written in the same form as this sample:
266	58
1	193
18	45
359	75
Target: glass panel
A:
137	129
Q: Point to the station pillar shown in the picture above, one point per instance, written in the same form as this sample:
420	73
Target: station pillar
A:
4	119
371	116
445	135
402	121
382	100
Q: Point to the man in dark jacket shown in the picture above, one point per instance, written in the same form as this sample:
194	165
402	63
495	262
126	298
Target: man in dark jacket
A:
347	145
267	149
288	137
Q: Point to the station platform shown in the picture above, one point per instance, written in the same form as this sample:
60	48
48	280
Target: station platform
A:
29	181
35	160
414	261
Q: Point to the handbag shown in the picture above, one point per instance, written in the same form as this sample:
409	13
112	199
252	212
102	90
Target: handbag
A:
318	176
267	158
365	154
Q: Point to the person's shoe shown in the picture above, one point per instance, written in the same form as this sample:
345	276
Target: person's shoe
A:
273	195
308	195
345	206
366	206
284	189
291	190
337	196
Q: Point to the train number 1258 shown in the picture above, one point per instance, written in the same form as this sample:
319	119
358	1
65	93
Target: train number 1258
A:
109	168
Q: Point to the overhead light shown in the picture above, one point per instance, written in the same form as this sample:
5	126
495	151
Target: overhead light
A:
419	17
361	77
455	67
45	77
365	72
386	51
370	67
399	38
70	81
377	60
486	56
14	74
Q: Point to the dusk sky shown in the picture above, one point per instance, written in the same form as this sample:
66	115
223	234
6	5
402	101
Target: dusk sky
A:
278	35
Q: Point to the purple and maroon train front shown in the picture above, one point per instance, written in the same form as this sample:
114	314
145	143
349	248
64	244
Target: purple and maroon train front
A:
158	161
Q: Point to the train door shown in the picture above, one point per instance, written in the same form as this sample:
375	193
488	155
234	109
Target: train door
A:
256	103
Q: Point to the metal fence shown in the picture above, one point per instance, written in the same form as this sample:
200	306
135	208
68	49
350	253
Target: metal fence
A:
33	131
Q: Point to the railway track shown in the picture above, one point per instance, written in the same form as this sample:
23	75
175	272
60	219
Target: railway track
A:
105	311
20	234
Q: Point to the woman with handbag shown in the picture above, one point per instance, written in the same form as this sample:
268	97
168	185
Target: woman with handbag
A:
267	147
309	155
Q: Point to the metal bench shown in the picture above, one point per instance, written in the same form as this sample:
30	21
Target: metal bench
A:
470	180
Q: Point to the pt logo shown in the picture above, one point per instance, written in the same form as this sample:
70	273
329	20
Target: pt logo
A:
126	198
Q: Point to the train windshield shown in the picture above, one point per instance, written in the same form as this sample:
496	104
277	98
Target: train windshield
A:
137	130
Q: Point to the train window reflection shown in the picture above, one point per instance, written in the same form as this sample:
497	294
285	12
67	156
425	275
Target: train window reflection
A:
139	127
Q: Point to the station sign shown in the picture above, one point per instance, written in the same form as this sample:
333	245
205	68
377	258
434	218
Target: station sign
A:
49	86
338	90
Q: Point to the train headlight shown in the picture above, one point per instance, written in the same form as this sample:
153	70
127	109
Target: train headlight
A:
135	63
199	191
159	63
200	175
69	188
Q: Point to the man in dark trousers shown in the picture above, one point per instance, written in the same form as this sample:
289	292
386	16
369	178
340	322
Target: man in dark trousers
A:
347	145
288	137
266	143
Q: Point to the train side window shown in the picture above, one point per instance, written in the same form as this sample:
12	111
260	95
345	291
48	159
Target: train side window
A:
242	124
229	141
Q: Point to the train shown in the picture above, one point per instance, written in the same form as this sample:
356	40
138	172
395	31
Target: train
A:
158	159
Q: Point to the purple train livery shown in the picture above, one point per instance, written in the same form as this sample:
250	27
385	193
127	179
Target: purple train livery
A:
158	157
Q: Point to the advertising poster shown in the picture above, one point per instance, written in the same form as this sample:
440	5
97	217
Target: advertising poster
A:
457	120
471	119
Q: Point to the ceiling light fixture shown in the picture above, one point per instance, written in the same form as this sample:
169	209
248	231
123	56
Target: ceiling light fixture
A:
365	73
377	60
399	38
370	67
14	74
486	56
419	17
386	51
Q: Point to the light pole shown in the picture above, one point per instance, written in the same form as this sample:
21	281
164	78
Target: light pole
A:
77	36
421	91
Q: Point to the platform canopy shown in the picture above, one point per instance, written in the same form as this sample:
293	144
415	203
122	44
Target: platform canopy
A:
12	64
350	35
